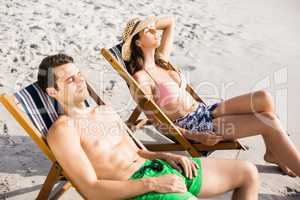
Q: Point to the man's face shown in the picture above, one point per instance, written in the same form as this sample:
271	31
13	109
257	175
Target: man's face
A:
71	85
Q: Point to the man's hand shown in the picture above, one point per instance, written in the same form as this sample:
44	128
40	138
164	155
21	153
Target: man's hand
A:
169	183
182	163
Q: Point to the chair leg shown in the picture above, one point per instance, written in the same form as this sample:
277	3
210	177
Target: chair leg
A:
142	122
62	188
133	118
51	179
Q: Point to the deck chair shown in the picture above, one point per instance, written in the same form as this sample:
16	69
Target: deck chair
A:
114	57
35	111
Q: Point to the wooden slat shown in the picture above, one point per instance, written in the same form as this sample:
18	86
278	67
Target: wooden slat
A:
9	103
94	95
192	92
67	185
51	179
141	123
199	147
133	117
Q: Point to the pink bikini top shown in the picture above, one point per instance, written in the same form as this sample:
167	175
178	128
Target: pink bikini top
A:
167	92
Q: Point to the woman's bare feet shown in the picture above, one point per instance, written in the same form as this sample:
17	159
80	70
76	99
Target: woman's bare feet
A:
270	158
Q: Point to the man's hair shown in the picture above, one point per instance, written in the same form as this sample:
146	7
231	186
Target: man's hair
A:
46	77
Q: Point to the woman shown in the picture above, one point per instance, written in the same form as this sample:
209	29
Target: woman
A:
242	116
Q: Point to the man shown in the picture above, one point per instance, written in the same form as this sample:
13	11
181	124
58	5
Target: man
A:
95	151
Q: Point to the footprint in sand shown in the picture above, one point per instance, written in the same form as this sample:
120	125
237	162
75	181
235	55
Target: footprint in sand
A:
179	44
112	85
292	191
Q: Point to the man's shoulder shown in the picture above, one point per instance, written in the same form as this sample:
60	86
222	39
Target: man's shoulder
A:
62	122
61	125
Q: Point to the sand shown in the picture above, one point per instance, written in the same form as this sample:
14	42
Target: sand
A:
225	48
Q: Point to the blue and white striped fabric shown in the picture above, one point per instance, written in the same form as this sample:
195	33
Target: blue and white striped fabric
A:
117	53
199	120
41	109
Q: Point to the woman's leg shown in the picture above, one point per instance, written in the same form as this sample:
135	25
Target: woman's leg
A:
220	176
266	124
258	101
255	102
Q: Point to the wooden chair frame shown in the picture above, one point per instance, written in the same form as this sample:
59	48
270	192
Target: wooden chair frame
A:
56	173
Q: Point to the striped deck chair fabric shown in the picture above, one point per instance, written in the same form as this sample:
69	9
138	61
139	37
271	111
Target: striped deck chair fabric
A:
41	109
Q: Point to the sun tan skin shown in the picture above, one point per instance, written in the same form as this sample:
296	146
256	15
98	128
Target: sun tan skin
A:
256	108
95	151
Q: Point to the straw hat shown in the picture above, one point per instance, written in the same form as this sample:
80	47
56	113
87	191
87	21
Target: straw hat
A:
133	27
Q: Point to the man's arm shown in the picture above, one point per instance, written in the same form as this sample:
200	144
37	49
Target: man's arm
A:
181	163
151	155
65	144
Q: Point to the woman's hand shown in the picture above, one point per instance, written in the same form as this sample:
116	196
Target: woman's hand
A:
166	24
208	138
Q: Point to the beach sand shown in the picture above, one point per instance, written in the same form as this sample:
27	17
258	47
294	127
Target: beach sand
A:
225	48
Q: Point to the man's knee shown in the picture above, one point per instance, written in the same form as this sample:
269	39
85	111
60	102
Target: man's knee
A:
250	173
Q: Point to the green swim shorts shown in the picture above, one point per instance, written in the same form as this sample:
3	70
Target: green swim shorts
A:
154	168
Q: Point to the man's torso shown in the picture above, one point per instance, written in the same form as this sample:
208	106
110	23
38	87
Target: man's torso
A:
105	140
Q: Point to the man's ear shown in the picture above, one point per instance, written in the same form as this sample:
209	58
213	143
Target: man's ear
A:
51	91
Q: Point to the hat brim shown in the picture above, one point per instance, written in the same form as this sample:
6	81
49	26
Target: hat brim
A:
126	48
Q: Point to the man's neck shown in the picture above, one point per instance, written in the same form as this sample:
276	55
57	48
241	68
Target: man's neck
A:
76	110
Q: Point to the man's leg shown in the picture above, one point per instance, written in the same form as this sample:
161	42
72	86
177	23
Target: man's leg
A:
220	176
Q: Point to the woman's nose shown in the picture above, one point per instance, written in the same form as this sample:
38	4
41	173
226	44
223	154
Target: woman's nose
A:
153	30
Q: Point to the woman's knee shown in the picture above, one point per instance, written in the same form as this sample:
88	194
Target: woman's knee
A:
271	123
268	116
263	101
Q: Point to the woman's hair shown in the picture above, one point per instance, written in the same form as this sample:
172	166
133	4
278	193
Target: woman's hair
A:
136	61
